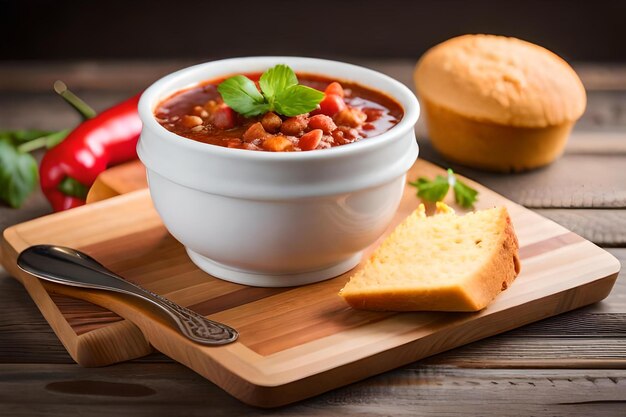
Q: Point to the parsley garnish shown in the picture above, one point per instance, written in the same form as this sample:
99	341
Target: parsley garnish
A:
437	189
280	93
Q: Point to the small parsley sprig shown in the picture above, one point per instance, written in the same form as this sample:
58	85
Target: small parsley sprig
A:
280	93
437	189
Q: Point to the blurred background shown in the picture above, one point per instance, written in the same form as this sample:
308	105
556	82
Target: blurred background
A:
203	30
108	50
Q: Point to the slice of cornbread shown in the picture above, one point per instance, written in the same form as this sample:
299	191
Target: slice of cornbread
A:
443	262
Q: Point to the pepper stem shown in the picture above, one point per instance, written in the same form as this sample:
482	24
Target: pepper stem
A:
73	188
47	141
73	100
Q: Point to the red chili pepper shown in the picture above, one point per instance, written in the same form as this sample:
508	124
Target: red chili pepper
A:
107	139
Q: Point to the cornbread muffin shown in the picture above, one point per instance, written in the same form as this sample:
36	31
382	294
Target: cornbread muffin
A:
440	263
498	103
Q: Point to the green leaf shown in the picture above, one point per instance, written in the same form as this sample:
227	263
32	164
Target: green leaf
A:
24	135
18	174
241	94
464	195
280	93
432	190
277	79
297	99
73	188
436	190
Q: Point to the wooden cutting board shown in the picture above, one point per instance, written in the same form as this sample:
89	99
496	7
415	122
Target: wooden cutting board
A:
294	342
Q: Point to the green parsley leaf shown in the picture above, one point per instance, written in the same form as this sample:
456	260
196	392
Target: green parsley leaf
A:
241	94
297	99
280	92
18	174
277	79
434	190
437	189
464	195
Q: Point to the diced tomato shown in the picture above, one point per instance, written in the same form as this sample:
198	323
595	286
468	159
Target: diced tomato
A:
332	104
321	121
334	88
277	144
310	140
223	117
255	131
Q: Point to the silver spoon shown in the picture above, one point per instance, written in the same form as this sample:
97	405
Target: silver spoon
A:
71	267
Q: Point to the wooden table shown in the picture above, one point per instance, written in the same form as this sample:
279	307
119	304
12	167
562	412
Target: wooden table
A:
573	364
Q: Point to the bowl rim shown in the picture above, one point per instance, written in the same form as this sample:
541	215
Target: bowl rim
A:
152	95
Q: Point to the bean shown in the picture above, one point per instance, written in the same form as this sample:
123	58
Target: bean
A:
294	125
191	121
200	111
271	122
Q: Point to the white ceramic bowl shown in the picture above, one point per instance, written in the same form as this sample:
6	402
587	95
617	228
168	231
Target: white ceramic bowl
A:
276	219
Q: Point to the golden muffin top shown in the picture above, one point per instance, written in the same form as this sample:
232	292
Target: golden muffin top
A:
501	80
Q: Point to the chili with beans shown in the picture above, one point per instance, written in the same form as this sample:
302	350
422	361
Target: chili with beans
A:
348	113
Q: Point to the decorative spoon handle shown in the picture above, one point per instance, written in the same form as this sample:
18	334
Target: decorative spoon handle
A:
71	267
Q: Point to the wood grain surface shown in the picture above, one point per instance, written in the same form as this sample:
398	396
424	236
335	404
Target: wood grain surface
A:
443	388
294	342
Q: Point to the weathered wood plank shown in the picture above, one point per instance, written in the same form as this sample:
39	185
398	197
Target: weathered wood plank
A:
579	324
601	76
596	143
545	352
603	227
616	301
25	336
169	389
31	76
47	111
